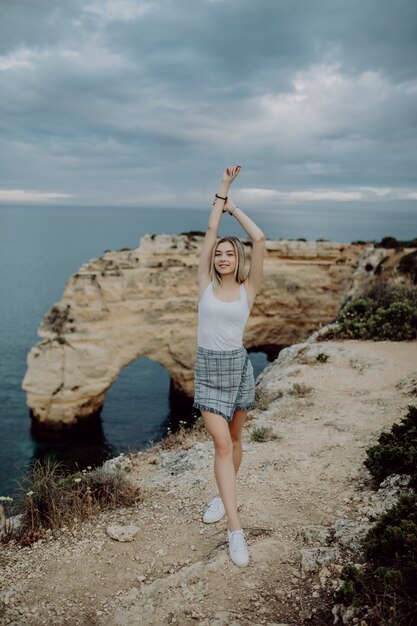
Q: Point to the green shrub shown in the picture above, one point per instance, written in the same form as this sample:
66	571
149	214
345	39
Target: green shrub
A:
396	450
322	357
351	592
392	541
392	242
388	583
386	312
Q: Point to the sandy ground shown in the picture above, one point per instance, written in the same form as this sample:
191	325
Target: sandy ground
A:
177	569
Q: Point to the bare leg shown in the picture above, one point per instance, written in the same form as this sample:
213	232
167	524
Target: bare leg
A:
224	470
235	428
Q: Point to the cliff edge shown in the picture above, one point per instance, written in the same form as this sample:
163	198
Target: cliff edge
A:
304	498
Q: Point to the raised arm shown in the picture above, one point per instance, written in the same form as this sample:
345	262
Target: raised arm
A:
254	278
210	238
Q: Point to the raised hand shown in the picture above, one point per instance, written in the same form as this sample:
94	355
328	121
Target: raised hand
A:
230	173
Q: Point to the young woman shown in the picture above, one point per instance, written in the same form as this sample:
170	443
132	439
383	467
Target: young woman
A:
224	380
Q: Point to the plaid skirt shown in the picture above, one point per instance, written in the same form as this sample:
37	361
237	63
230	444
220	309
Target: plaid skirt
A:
224	381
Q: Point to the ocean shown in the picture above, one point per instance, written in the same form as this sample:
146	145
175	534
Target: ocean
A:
41	246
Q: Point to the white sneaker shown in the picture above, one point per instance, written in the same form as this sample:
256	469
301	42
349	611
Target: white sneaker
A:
214	511
237	547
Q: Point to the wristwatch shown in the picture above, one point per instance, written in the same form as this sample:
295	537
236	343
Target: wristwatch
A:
230	211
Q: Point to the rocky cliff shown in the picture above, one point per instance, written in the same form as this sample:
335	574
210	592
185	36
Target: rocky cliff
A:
143	302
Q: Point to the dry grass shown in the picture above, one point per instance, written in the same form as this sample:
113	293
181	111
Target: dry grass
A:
300	390
50	498
181	436
263	433
264	399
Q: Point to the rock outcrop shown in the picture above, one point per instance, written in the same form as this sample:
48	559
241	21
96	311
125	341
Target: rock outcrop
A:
143	302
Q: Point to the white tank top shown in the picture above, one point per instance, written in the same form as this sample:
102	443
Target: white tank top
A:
221	324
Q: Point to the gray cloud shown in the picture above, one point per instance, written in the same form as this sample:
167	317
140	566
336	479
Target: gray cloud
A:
119	101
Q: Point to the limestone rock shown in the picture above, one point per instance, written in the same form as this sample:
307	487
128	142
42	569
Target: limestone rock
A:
118	463
348	533
175	466
315	533
122	533
387	495
313	558
143	302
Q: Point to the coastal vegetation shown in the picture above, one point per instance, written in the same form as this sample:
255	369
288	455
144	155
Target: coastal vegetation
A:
263	398
384	588
392	242
300	390
389	242
386	312
179	437
263	433
396	450
50	498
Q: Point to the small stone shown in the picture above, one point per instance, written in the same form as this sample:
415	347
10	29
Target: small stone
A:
305	615
122	533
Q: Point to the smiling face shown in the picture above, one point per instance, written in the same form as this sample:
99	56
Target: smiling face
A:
225	258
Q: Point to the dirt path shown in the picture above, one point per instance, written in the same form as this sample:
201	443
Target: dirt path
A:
177	569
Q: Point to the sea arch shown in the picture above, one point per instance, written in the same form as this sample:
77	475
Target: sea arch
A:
143	302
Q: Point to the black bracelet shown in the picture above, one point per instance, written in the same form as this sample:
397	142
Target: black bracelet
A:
220	197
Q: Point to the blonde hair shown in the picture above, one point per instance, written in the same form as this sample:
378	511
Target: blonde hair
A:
240	263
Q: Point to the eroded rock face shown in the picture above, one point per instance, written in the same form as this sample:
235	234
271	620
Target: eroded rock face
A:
143	302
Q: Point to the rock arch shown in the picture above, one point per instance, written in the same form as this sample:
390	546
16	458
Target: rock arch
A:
143	302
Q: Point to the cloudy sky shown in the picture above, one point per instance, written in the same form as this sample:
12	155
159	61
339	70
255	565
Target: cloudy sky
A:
143	102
